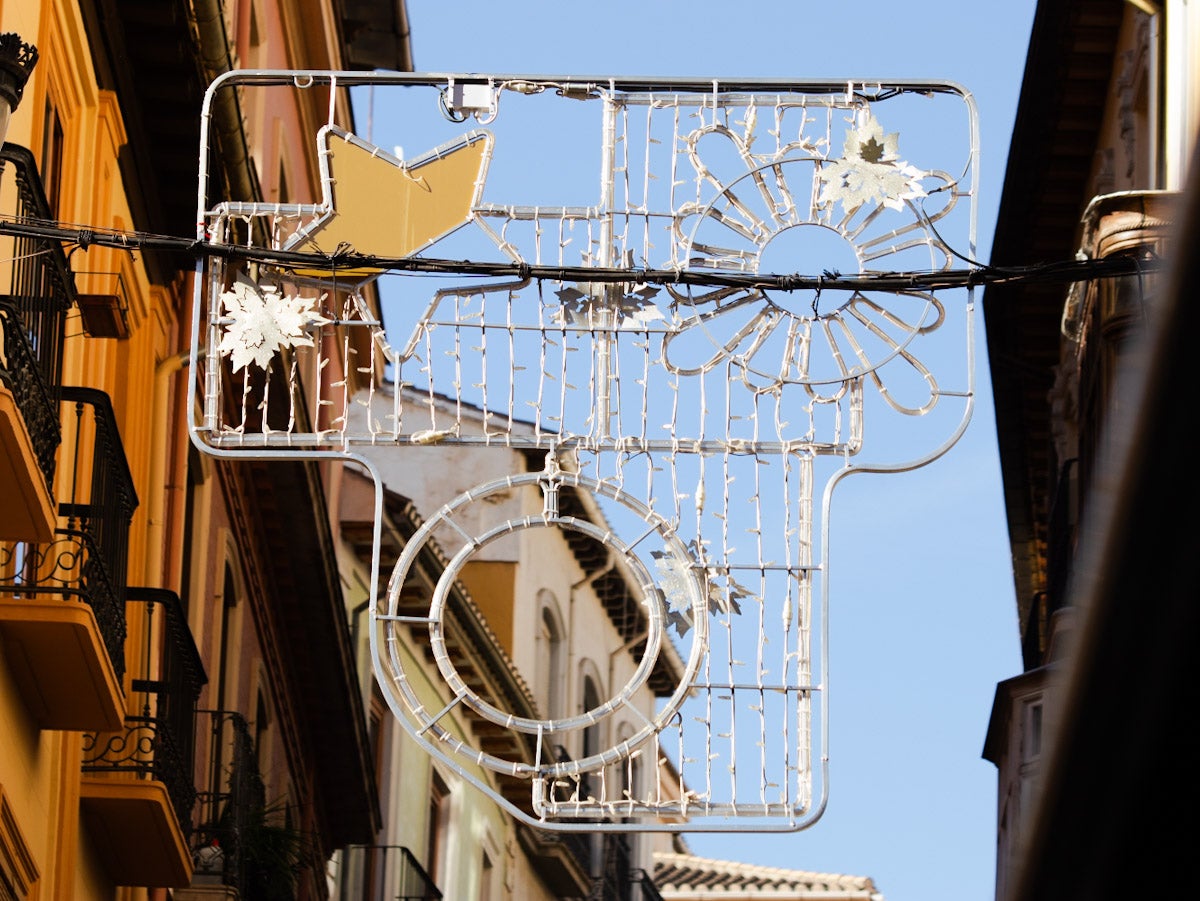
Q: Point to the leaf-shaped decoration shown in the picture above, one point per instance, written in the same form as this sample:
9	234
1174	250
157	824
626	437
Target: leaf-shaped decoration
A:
870	171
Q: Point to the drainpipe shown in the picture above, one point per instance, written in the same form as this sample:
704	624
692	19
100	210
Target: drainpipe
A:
159	570
217	58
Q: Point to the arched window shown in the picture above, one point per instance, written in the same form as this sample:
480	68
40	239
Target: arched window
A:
589	785
549	650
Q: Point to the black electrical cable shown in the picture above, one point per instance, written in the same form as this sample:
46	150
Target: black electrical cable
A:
344	259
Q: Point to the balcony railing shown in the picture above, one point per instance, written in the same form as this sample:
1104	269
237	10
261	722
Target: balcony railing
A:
158	742
370	872
86	560
563	860
41	289
19	373
240	840
642	887
619	881
227	803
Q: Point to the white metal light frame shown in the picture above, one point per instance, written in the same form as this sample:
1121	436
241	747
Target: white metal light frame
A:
704	414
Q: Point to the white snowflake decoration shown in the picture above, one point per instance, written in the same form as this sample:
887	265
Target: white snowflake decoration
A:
258	324
871	170
674	578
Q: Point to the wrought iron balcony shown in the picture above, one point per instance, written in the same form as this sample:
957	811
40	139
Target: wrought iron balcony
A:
86	559
33	310
138	788
241	841
369	872
64	599
98	497
41	285
225	807
34	399
563	860
642	887
159	740
618	881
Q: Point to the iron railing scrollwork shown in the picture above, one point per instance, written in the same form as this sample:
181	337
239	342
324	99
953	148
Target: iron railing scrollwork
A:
173	673
146	748
87	558
229	803
68	568
158	742
100	498
42	287
33	312
577	844
20	374
619	881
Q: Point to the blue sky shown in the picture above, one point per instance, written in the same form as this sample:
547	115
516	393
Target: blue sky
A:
923	617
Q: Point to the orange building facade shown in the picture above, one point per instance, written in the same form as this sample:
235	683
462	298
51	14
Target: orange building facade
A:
165	720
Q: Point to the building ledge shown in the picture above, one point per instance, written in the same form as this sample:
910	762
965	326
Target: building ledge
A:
26	507
133	826
199	892
58	659
561	859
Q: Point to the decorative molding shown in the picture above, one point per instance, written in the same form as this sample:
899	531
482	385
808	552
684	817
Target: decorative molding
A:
18	871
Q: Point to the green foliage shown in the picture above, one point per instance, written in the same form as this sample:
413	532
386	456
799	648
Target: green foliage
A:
272	853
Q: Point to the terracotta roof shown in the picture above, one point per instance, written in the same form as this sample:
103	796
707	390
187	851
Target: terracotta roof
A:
687	876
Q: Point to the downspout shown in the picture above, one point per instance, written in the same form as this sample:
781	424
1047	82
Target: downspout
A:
158	568
216	56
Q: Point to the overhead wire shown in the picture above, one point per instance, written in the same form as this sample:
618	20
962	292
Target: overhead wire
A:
344	258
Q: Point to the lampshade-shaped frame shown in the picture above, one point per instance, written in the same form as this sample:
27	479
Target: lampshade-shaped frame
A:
17	59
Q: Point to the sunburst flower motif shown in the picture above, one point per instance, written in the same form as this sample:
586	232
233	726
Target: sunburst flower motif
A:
261	323
800	211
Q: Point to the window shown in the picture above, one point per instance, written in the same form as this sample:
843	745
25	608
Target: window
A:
589	783
227	655
1029	768
52	157
285	193
487	878
548	642
262	727
255	44
1031	731
439	828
